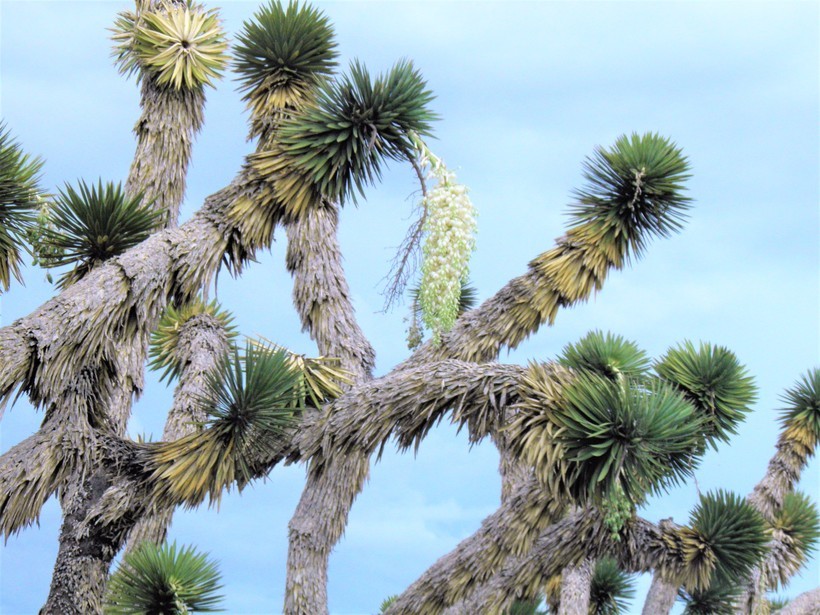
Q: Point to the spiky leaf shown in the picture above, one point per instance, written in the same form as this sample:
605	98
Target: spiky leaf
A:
165	339
715	381
733	531
611	589
156	579
183	46
338	145
608	355
618	436
323	376
253	398
95	223
19	203
718	599
798	519
634	191
282	55
801	417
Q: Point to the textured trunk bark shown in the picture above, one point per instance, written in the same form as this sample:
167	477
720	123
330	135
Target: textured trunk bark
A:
782	474
576	583
165	131
661	597
322	299
805	604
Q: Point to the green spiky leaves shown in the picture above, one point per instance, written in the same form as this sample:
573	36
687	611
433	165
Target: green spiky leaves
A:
715	381
728	527
282	56
619	437
253	398
164	579
337	146
163	351
634	191
611	589
801	417
182	45
608	355
19	203
93	224
322	376
717	599
797	526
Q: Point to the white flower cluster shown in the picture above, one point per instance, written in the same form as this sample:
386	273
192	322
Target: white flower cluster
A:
449	240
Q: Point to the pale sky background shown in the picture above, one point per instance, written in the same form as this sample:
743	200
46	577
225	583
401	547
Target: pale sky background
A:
526	90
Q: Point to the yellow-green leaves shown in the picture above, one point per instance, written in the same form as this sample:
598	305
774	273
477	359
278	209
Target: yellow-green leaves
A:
282	55
182	46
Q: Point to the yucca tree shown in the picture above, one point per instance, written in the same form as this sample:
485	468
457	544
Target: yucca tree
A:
585	437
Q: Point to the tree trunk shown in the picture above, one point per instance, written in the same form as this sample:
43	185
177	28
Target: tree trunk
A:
805	604
322	299
576	584
661	596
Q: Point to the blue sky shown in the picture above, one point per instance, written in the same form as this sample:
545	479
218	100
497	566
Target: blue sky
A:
525	90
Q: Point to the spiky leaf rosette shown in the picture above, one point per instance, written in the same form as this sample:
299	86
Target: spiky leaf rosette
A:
611	589
19	203
607	355
715	381
622	437
386	603
800	419
797	525
322	375
634	191
163	579
253	398
727	526
165	339
95	223
718	599
182	45
337	145
282	56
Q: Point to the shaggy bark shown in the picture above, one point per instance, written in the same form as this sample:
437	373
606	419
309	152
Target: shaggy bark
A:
576	583
202	341
322	299
165	132
805	604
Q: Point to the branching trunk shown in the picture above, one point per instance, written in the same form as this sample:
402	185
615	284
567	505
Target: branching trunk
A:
322	299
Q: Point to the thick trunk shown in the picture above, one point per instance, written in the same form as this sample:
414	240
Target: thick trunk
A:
805	604
661	596
78	582
165	131
576	583
322	299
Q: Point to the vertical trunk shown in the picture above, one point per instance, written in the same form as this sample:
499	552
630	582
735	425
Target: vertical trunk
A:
165	131
661	597
202	341
322	299
576	582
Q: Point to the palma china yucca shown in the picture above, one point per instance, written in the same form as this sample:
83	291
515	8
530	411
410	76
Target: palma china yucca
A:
593	433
